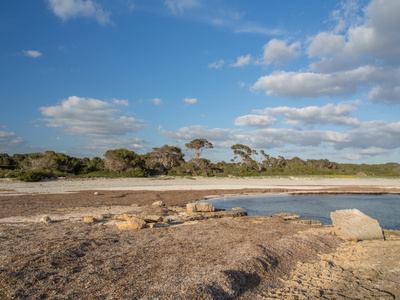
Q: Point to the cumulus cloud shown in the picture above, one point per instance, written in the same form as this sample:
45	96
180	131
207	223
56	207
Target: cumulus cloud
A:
32	53
10	141
361	52
68	9
179	6
196	131
311	115
242	61
121	102
90	117
189	100
279	53
217	64
255	121
97	147
156	101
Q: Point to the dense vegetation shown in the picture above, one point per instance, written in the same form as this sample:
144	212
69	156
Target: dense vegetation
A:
169	160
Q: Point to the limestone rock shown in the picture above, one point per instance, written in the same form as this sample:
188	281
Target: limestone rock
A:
131	225
89	220
159	203
237	208
45	219
353	224
152	218
287	216
200	207
135	219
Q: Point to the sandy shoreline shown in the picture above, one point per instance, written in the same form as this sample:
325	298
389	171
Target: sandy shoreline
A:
10	187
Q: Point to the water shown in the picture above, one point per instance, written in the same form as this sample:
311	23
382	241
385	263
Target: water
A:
384	208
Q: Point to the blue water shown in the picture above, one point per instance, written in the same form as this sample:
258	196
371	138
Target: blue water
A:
384	208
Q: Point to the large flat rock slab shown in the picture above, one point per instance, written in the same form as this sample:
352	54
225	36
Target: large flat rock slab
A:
353	224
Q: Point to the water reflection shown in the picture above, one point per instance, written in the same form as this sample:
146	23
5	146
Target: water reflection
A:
384	208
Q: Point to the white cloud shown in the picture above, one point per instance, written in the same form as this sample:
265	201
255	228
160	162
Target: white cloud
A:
189	100
97	147
156	101
197	131
121	102
312	115
242	61
179	6
10	141
217	64
255	121
279	53
68	9
90	117
32	53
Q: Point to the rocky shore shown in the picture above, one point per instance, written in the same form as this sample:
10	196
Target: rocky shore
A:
88	247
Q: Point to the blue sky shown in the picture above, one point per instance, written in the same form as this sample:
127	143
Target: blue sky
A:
313	79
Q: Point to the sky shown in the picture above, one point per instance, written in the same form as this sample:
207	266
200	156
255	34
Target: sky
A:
311	79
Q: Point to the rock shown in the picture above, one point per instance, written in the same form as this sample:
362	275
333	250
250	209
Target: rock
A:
45	219
200	207
89	220
237	208
131	225
353	224
134	219
307	222
287	216
391	235
159	203
152	218
96	193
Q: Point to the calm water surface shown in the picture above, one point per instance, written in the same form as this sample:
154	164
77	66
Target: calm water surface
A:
384	208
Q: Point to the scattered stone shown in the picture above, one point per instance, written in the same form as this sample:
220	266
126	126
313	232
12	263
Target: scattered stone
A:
89	220
45	219
96	193
307	222
391	235
98	218
159	203
131	225
353	224
200	207
287	216
153	218
135	220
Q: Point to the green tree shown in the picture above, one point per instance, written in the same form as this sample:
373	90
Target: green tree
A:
198	145
165	158
122	160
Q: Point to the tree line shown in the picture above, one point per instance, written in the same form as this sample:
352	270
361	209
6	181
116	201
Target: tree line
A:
169	160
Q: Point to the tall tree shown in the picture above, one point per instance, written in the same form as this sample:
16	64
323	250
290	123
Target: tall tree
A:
198	145
165	157
120	160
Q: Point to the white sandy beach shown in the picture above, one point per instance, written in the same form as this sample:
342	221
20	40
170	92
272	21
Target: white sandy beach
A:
8	186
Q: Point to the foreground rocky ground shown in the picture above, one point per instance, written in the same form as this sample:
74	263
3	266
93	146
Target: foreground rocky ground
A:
245	258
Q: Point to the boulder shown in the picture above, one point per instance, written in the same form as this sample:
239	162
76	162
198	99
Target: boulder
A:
131	225
200	207
159	203
352	224
89	220
287	216
45	219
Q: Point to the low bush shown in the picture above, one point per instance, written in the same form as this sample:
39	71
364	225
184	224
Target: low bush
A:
31	175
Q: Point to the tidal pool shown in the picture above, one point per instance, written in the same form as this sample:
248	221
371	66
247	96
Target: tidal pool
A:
384	208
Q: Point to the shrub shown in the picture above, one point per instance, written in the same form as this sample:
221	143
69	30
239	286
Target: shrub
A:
31	175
